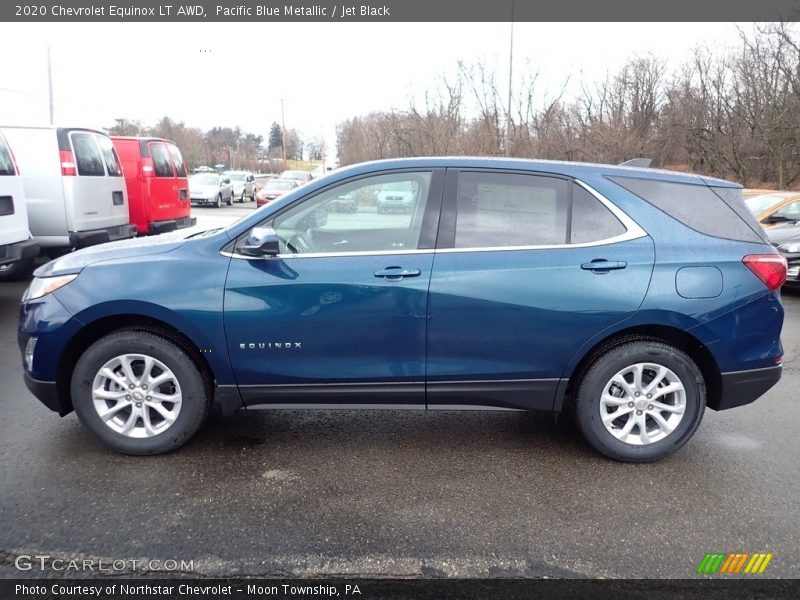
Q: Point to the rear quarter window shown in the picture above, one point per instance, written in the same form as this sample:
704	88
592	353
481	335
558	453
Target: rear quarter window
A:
6	164
697	206
87	155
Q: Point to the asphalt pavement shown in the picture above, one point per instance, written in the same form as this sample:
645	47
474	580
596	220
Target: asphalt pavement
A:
400	493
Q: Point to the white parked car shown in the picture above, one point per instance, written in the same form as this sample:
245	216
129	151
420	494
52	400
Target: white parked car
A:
17	249
74	189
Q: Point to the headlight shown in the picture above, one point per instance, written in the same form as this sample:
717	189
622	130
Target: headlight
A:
41	286
792	248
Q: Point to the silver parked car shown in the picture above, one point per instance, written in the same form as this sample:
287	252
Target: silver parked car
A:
244	185
210	189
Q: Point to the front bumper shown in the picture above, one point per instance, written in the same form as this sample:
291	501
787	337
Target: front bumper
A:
743	387
82	239
12	253
47	393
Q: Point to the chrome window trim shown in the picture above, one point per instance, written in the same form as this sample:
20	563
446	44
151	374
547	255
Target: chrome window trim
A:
632	232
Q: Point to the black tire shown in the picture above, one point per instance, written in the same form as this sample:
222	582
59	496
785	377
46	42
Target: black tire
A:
599	374
19	270
241	199
194	406
230	199
219	201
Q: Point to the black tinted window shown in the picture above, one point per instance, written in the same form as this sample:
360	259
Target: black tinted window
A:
500	209
87	155
591	220
696	206
6	164
180	166
109	156
162	165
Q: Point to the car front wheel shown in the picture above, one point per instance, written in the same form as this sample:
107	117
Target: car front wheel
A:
640	401
139	393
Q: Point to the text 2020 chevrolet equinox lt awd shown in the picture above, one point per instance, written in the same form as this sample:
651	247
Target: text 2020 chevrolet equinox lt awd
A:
634	297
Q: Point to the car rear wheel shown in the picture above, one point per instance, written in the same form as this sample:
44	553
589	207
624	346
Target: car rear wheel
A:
230	199
139	393
641	401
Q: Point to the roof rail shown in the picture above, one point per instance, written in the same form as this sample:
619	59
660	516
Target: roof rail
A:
642	163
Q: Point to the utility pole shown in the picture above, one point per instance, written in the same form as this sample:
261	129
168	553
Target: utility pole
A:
283	135
50	83
510	72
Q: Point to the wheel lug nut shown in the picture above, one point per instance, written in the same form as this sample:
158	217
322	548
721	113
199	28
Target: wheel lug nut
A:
630	404
638	412
650	407
131	386
637	394
127	397
150	398
649	396
144	387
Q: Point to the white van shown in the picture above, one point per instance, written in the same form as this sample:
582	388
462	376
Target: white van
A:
17	249
73	184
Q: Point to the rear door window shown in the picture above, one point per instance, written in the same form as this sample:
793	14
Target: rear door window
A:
162	165
177	159
109	156
591	220
6	163
88	158
508	209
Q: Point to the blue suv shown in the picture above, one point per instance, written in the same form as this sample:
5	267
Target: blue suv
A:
632	298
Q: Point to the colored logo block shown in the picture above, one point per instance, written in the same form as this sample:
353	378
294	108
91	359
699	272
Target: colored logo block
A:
733	563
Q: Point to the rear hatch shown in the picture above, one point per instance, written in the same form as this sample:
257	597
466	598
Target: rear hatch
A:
169	189
94	189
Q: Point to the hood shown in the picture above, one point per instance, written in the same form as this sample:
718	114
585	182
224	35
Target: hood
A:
74	262
784	234
204	189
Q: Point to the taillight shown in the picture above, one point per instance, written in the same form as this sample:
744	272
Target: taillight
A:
769	268
147	167
67	163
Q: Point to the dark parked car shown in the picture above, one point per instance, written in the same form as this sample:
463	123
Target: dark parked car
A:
633	298
787	239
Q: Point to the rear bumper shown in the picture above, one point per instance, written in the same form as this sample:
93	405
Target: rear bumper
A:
743	387
12	253
171	225
82	239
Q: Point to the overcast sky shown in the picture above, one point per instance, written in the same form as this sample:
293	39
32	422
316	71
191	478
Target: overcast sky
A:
209	74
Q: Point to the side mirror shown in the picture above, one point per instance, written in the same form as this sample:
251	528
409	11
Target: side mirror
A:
777	218
226	181
261	241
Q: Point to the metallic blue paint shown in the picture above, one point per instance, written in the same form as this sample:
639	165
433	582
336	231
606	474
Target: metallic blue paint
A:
503	315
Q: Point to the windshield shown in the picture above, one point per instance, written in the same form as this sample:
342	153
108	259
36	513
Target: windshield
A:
203	180
278	185
758	204
236	176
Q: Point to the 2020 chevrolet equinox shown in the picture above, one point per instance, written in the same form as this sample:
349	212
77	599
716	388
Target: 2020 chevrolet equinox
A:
634	297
